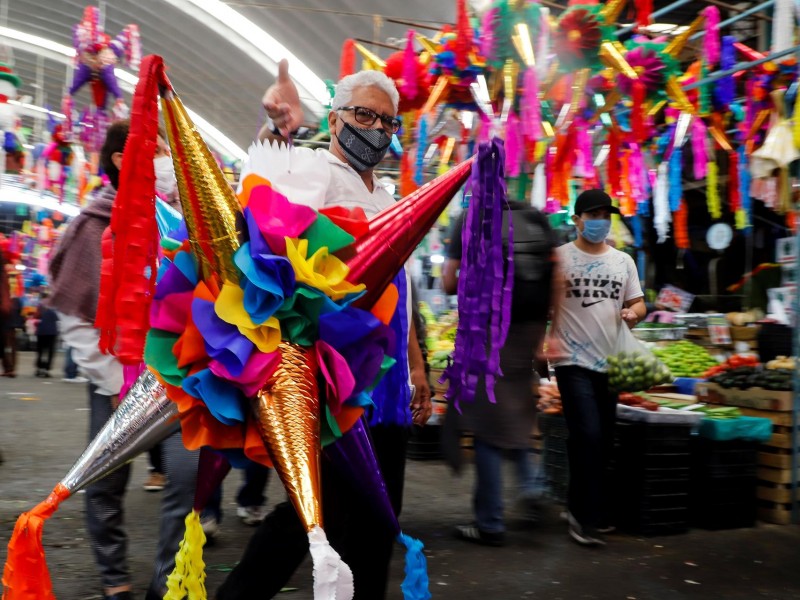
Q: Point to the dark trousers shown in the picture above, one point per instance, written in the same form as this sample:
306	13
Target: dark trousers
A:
364	543
252	492
45	346
105	513
156	455
8	349
70	366
590	413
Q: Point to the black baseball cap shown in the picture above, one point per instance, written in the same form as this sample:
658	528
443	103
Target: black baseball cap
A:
594	199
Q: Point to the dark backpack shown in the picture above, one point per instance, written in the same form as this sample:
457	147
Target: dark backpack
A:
534	243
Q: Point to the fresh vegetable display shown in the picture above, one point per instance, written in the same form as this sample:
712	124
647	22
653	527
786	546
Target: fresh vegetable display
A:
638	400
734	362
441	335
685	359
636	371
750	376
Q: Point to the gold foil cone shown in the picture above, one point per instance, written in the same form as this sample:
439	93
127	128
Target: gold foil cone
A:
610	56
212	213
679	98
612	10
372	62
677	44
287	412
436	94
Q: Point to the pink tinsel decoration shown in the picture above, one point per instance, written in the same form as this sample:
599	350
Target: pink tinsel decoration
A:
530	109
585	147
487	33
410	69
711	41
513	145
699	153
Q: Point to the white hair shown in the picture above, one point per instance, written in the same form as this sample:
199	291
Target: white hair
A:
346	87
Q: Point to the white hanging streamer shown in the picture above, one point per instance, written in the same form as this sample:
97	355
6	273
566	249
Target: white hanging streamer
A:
662	215
539	187
783	26
333	579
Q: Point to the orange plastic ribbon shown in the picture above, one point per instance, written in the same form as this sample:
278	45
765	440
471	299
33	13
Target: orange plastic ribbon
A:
25	576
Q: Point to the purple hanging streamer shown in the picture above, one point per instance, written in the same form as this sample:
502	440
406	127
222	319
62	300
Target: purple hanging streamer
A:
485	282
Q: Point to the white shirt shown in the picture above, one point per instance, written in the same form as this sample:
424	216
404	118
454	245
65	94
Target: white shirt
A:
103	370
596	286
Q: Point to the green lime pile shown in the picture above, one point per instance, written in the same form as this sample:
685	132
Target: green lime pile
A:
685	359
636	371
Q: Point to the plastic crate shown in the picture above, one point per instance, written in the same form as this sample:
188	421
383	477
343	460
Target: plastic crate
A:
554	454
666	521
725	515
425	443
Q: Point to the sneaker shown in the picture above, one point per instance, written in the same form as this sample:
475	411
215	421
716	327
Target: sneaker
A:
585	536
210	526
471	533
606	529
251	515
77	379
155	482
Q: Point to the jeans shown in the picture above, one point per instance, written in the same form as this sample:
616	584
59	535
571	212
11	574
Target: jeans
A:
70	366
590	413
105	512
488	498
252	492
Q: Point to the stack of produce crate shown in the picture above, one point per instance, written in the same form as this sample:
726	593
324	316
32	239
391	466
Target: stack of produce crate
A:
651	478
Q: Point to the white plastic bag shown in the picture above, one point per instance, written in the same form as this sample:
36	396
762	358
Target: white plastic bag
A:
632	367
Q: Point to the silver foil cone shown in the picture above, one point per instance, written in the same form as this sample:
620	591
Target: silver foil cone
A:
144	418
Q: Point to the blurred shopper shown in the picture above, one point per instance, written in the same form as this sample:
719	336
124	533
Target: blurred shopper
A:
504	429
46	336
75	271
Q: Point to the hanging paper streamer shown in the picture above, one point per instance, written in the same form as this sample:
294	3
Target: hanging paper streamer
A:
662	214
484	289
539	188
422	147
675	179
530	108
783	27
725	89
712	192
711	38
513	145
681	224
347	62
734	194
699	148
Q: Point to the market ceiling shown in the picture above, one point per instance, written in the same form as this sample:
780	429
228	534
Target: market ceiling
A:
218	59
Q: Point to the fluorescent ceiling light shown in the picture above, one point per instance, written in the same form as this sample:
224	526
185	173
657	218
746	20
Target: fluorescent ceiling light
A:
258	45
65	54
14	194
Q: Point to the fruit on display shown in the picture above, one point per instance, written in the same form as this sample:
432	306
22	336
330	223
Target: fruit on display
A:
782	362
740	319
685	359
636	371
734	362
750	376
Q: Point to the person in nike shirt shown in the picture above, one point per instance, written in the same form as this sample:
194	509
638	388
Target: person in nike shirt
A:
596	287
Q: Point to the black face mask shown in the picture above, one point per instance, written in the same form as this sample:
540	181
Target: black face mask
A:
363	147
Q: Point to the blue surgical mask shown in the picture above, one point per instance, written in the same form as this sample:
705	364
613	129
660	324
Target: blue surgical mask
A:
596	230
